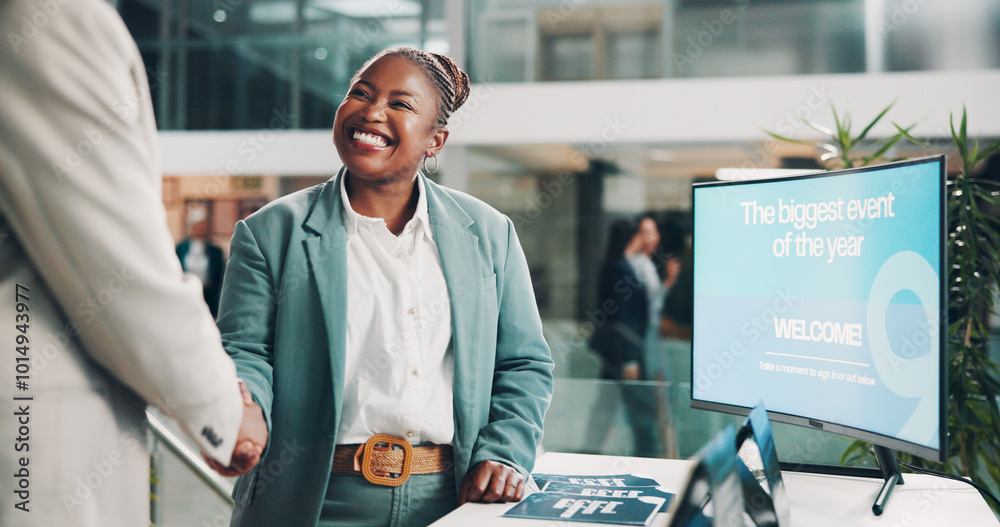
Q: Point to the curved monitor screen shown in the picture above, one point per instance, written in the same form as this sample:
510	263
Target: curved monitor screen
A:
822	296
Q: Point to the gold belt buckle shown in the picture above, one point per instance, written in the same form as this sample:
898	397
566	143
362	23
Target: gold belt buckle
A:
383	443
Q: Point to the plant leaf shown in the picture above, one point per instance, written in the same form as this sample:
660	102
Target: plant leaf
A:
959	142
786	139
987	152
962	132
878	153
906	133
864	133
821	129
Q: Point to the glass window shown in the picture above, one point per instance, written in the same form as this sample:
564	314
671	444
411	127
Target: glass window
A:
233	64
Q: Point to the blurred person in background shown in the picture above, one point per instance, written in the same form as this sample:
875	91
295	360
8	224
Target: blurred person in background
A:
378	317
645	246
676	319
669	257
200	257
626	287
98	318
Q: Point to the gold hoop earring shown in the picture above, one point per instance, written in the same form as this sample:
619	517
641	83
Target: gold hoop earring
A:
436	163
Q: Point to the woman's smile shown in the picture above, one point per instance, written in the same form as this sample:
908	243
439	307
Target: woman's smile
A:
367	139
387	121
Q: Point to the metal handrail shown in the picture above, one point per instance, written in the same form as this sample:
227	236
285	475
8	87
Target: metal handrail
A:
163	435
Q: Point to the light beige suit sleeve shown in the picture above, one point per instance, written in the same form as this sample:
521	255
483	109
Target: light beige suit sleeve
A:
80	189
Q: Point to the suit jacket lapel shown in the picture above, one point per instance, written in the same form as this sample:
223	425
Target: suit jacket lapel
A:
327	254
458	247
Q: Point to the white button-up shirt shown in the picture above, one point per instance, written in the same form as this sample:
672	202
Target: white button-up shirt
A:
399	364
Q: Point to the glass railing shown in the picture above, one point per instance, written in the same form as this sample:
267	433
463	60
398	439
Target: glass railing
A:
183	490
655	419
650	418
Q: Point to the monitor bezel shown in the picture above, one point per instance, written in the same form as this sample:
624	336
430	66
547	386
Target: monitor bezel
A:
937	454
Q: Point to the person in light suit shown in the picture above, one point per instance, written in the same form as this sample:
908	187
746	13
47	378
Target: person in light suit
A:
382	303
96	317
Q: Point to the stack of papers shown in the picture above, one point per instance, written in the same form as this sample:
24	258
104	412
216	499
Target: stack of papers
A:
622	499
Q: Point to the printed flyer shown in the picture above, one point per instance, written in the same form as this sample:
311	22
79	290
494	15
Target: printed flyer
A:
577	508
610	492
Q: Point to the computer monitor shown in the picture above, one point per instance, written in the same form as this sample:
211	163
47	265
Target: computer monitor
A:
823	295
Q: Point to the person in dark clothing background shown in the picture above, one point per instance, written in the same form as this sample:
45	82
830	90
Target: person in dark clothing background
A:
625	300
678	306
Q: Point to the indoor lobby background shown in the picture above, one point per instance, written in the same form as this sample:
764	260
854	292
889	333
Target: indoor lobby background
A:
582	111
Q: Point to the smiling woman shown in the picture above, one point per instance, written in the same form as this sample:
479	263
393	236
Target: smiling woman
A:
394	117
386	325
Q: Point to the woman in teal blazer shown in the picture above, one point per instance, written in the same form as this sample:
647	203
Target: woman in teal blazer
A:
283	319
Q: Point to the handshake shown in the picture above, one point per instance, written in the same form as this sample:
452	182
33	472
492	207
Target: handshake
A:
250	441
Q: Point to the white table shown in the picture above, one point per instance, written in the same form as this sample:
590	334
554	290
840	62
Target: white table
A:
815	500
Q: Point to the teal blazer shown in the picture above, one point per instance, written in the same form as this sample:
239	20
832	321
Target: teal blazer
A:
283	318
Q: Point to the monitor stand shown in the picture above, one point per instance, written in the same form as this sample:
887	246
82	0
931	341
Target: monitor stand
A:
890	473
888	470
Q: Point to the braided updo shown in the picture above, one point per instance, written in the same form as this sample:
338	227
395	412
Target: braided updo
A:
452	84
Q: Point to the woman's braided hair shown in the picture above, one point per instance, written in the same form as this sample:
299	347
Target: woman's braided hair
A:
452	83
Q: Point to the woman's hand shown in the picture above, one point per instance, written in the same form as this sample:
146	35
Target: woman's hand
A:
250	442
491	482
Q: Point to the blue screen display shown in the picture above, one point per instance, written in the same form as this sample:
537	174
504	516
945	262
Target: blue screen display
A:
821	296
